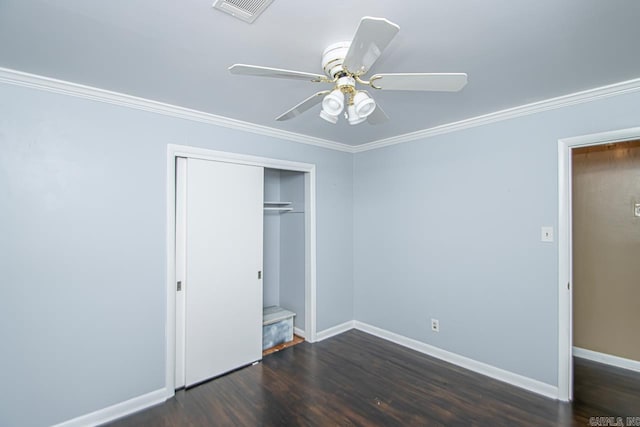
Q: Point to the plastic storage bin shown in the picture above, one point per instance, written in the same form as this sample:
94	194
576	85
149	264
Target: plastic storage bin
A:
277	326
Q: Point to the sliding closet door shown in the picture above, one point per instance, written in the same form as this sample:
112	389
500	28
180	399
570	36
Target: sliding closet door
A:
223	289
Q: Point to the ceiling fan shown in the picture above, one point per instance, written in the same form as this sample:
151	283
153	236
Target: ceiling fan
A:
344	64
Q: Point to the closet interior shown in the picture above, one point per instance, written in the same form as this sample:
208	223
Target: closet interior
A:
283	257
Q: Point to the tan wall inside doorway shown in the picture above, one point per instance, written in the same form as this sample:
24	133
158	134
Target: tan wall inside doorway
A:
606	249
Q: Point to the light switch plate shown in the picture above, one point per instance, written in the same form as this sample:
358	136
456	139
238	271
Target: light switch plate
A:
636	209
547	234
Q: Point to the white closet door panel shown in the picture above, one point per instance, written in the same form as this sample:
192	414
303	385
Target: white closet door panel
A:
224	254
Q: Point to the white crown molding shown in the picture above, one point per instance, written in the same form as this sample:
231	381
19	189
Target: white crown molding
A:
508	377
510	113
19	78
23	79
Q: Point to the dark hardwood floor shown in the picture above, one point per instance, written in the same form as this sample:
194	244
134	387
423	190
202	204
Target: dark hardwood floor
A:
357	379
602	390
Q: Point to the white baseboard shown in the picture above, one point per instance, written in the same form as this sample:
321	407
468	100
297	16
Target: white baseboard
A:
299	332
335	330
508	377
618	362
118	410
139	403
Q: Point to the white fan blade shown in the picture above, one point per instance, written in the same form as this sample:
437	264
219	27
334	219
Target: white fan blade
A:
438	82
372	37
314	99
378	116
256	70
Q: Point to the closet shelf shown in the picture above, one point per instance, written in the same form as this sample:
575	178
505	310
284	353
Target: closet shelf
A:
281	209
278	203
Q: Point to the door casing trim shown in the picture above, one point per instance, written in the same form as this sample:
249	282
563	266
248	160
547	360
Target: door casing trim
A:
309	170
565	250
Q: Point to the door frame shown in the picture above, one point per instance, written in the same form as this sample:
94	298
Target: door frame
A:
174	151
565	249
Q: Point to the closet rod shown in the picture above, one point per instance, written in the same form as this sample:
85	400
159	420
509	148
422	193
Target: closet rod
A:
279	209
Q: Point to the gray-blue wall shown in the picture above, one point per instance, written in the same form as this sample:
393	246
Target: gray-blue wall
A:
446	227
449	228
271	241
292	262
82	252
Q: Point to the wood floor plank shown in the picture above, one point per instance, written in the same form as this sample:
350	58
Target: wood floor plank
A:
296	340
355	379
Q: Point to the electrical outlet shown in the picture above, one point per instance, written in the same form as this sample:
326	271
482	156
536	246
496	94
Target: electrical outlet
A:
636	209
435	325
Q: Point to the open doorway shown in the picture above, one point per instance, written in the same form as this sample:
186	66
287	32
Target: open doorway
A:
606	290
588	157
606	250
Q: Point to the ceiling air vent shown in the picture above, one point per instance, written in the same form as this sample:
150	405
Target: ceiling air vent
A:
247	10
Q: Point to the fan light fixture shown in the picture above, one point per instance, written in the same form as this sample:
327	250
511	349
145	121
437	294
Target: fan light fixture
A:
332	106
345	64
353	116
333	103
364	104
360	104
328	117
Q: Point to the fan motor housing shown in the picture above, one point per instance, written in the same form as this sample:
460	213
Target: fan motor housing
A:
333	57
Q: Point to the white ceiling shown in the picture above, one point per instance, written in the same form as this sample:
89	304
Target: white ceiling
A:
178	51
